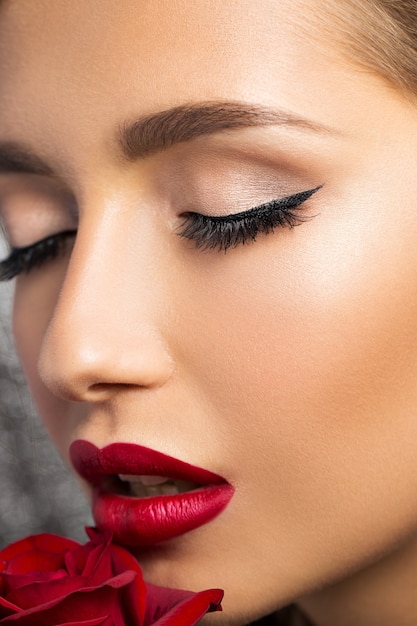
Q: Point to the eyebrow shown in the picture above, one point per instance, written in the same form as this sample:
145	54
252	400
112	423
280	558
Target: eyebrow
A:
159	131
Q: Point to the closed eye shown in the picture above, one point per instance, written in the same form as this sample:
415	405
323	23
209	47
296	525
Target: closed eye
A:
228	231
23	260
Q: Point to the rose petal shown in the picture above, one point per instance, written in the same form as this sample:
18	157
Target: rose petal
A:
2	585
134	595
92	560
75	560
7	608
101	621
33	562
86	603
15	581
171	607
98	536
87	559
38	594
44	542
98	565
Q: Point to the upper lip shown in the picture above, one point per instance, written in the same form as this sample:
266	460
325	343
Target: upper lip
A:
95	464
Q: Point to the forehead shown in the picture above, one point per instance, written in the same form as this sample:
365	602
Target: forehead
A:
71	71
204	44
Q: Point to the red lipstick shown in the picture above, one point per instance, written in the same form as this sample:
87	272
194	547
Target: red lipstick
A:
146	521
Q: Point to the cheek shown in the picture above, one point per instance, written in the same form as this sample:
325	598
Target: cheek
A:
319	320
309	369
35	299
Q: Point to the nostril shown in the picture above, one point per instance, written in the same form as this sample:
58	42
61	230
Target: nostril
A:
99	392
104	388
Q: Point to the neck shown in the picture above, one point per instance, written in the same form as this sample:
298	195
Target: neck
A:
381	595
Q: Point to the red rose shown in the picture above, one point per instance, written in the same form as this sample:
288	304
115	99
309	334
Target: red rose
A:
53	581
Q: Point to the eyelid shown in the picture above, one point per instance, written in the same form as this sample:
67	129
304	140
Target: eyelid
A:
62	234
287	202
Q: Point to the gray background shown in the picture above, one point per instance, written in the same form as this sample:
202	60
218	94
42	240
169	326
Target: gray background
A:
37	492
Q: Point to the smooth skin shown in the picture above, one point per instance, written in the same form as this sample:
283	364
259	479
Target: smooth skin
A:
288	366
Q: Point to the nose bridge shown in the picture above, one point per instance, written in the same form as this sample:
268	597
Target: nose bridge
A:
106	331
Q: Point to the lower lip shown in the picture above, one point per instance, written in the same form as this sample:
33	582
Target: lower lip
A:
141	522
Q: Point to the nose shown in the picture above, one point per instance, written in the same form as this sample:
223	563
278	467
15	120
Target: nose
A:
105	334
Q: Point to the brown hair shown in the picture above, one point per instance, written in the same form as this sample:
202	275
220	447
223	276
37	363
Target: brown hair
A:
379	34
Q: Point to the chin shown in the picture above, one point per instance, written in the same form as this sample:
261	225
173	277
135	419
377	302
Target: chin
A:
177	566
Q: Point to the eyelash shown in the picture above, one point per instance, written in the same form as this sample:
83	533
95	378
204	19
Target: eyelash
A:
22	260
224	232
207	232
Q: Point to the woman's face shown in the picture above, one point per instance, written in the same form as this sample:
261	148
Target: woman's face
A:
287	365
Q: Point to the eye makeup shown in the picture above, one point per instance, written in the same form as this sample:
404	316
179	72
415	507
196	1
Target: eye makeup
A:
228	231
206	232
22	260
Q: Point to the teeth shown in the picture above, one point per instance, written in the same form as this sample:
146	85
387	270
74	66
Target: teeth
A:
144	480
146	486
154	490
